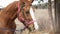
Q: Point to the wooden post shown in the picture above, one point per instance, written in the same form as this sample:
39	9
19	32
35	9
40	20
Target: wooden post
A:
57	16
50	12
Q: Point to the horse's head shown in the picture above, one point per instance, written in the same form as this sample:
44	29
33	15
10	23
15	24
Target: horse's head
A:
27	16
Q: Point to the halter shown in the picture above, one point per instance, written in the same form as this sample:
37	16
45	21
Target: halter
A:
22	19
18	7
27	23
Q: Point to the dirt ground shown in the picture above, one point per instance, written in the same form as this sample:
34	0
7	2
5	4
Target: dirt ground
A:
44	22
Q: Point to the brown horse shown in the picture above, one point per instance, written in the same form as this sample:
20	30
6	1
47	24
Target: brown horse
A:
7	17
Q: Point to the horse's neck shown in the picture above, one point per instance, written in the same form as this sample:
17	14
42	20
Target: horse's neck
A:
9	12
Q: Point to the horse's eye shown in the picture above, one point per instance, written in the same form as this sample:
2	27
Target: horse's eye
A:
27	12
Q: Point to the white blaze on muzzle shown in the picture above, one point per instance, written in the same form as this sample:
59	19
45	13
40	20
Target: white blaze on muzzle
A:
34	19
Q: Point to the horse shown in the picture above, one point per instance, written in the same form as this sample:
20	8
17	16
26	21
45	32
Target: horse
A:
7	17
